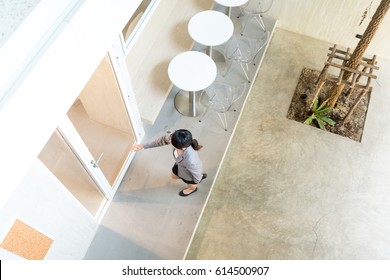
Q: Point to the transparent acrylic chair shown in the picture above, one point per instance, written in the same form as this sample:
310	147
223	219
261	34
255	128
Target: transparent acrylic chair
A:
254	10
220	97
244	50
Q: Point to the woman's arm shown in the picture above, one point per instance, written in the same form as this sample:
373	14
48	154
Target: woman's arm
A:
161	141
137	147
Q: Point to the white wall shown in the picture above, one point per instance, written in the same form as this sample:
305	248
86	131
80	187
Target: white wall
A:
41	96
44	204
336	21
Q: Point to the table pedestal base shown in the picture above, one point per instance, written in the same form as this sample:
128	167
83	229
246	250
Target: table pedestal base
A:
188	103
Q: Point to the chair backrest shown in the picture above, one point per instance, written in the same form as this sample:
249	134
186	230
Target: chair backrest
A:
245	49
237	48
258	7
260	43
222	96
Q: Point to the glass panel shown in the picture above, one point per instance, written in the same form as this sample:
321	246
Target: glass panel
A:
136	18
63	163
101	119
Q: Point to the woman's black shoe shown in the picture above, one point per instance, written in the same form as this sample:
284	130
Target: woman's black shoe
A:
181	193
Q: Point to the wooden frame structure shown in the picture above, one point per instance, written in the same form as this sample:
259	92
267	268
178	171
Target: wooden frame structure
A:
367	65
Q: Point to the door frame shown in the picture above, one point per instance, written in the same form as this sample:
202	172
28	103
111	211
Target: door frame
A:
80	149
118	62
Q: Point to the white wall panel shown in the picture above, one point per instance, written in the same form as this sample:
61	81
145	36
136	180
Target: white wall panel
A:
336	21
43	97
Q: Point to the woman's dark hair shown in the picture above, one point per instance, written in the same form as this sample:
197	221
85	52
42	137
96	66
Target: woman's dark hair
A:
182	138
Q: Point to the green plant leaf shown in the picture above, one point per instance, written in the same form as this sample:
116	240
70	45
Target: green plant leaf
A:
324	111
309	120
315	105
320	123
319	114
328	120
322	105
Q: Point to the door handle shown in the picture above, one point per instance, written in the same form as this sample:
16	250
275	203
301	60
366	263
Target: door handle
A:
94	163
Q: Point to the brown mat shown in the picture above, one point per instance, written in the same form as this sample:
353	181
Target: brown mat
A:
26	242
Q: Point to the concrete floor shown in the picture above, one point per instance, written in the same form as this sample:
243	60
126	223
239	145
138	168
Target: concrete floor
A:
284	190
290	191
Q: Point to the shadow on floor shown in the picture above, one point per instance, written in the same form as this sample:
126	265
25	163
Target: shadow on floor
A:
119	248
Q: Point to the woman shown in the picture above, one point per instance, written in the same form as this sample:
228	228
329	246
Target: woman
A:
188	166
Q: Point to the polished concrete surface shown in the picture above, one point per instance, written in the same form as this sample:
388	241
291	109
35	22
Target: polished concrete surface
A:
283	190
290	191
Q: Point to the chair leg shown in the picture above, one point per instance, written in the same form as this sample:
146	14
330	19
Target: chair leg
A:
245	23
203	115
223	120
243	70
240	14
260	21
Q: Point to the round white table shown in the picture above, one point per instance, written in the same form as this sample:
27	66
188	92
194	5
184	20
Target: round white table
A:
191	71
231	3
210	28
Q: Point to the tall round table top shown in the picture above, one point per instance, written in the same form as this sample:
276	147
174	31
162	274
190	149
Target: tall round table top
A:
192	71
231	3
210	28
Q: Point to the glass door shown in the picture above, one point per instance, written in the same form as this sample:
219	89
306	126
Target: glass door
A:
63	162
91	149
101	119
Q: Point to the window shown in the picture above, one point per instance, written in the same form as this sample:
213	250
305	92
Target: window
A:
138	21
